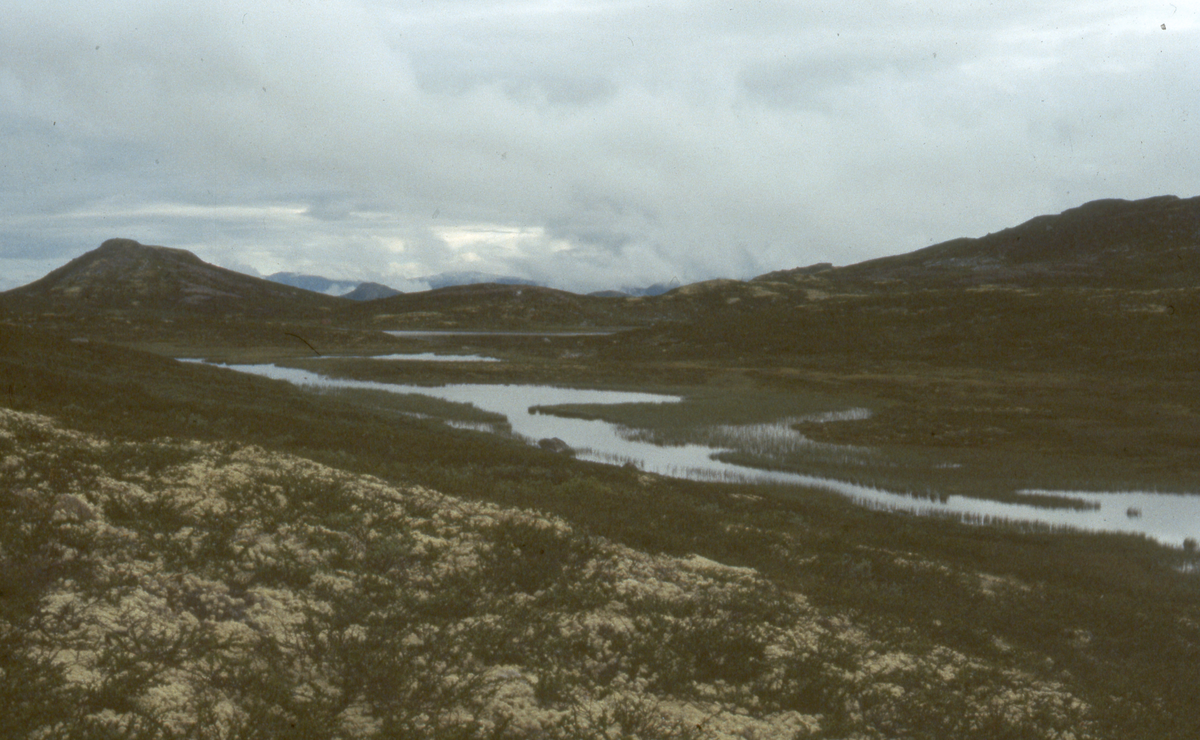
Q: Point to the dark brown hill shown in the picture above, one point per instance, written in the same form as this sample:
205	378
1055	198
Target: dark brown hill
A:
1142	244
499	306
1110	286
123	275
371	292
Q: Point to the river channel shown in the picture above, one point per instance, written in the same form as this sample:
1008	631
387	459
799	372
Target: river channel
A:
1168	518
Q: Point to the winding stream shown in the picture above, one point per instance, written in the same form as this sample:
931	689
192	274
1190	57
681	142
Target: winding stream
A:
1168	518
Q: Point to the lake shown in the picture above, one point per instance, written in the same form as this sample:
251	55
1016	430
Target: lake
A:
1168	518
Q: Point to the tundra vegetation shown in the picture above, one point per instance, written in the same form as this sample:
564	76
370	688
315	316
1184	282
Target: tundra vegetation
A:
189	552
185	589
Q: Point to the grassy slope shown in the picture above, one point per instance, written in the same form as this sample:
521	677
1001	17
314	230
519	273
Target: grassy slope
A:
914	581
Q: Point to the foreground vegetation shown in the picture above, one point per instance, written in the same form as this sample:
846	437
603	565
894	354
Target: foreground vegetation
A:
298	547
178	589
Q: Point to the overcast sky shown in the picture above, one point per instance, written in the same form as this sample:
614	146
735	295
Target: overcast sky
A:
586	145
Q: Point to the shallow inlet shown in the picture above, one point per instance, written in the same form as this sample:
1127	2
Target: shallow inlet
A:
1167	518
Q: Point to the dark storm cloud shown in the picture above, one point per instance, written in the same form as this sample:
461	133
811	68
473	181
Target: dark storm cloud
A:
587	144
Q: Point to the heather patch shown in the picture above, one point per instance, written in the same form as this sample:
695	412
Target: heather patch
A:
180	589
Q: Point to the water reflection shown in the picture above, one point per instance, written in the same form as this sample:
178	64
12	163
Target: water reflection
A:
414	357
426	334
1168	518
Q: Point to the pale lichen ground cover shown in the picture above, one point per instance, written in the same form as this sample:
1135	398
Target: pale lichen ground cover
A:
181	589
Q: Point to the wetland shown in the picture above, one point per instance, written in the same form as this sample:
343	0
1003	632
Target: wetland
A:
536	412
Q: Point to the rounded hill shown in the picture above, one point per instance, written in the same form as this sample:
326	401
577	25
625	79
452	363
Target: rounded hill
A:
122	274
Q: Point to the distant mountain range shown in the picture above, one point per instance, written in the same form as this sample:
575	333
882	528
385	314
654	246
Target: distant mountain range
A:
1139	245
451	279
367	291
316	283
649	290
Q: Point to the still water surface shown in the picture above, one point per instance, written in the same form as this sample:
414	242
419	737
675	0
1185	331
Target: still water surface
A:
414	357
1168	518
429	334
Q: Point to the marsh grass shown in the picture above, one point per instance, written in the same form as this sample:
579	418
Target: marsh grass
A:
784	444
939	435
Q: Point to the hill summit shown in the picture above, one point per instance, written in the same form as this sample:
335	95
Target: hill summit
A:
1153	242
124	274
1140	244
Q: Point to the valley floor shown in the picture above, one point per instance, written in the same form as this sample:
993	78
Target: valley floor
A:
189	551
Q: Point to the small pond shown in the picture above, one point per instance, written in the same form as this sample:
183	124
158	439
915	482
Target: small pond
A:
430	334
415	357
1168	518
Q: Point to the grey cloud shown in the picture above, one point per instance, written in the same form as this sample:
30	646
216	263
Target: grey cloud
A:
623	142
800	83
